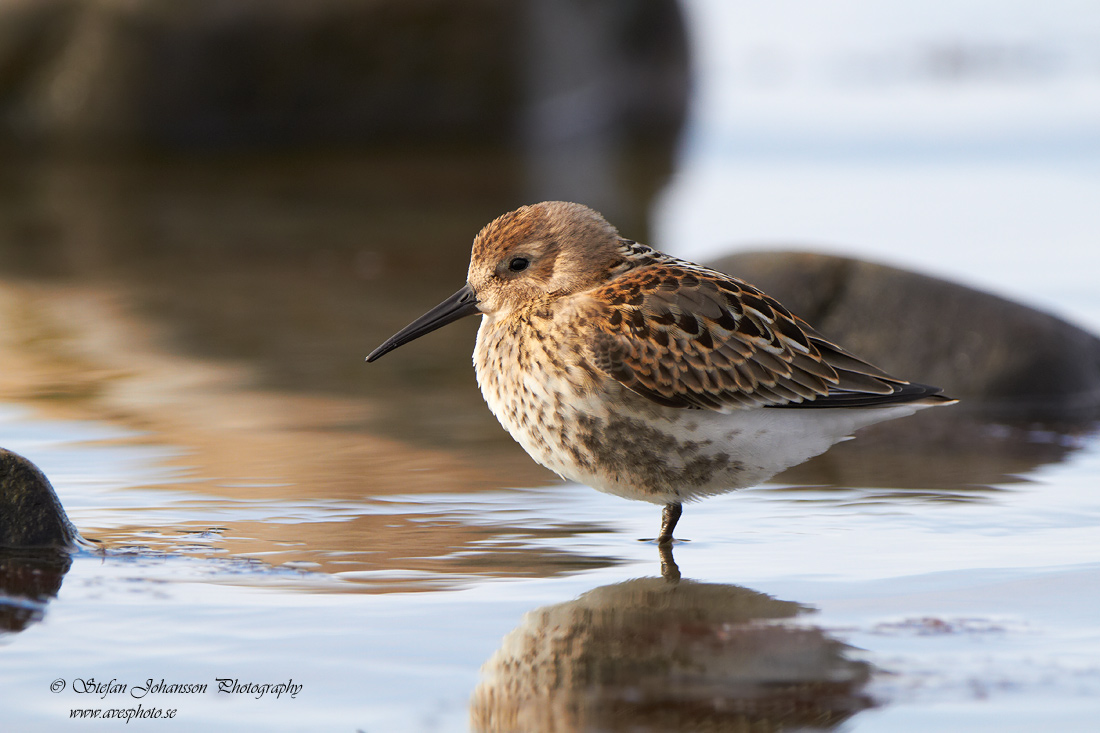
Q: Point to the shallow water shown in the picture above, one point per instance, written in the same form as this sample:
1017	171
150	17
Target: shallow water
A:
961	607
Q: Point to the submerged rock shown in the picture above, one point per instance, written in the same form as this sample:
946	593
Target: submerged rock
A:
974	345
31	515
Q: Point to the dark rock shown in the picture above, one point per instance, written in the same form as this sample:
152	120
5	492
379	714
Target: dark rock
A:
974	345
31	515
211	74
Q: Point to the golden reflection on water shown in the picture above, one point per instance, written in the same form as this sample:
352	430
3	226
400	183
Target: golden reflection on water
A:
294	265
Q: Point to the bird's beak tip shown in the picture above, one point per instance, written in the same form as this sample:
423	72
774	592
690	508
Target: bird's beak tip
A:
461	304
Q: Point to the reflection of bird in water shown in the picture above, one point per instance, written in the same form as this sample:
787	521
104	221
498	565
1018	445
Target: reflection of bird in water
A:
661	654
646	376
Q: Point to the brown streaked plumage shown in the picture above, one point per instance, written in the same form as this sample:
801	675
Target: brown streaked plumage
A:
647	376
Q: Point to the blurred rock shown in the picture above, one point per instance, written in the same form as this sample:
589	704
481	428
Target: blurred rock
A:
207	72
599	78
659	655
1012	359
210	73
31	515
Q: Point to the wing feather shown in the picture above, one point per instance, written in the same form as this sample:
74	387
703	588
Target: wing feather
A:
685	336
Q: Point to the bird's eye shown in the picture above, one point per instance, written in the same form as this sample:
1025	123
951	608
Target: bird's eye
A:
518	264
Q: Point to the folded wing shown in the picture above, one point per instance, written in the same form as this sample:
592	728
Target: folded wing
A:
690	337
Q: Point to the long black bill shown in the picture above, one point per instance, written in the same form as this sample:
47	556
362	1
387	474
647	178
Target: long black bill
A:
461	304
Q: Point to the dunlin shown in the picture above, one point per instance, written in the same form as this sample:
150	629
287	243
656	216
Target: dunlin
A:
646	376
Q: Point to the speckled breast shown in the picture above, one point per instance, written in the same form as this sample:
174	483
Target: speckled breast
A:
585	426
532	388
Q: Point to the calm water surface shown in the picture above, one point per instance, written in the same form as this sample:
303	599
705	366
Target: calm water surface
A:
272	510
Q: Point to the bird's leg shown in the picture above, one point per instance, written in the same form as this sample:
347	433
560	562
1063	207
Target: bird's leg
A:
669	517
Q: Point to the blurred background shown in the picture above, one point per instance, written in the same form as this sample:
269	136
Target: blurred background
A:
958	138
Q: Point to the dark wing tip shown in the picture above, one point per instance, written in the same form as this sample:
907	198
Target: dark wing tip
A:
904	392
